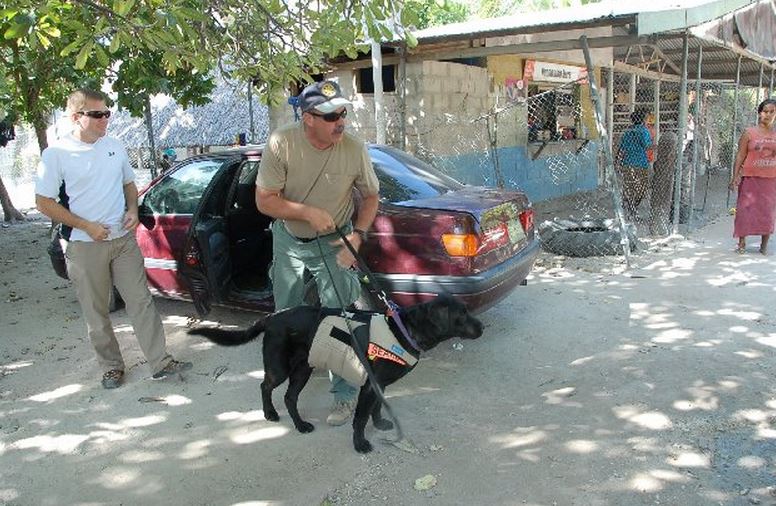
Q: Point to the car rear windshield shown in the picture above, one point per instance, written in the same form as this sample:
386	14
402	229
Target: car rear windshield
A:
403	177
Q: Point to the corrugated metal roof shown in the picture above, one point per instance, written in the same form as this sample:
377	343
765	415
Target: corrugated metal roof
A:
663	21
695	11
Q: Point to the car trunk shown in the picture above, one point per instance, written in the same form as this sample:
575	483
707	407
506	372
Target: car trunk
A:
501	221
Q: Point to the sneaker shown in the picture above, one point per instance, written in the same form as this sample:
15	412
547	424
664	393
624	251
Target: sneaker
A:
172	367
341	411
112	378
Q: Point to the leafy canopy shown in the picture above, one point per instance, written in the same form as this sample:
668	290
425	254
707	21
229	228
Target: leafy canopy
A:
271	42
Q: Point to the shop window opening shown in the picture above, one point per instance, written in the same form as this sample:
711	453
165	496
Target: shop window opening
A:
366	84
553	113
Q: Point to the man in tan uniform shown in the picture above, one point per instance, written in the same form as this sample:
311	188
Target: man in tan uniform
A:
306	178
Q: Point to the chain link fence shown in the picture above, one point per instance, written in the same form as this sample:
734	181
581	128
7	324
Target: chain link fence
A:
543	139
547	144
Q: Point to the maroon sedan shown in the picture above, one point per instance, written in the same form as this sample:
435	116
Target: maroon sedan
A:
203	238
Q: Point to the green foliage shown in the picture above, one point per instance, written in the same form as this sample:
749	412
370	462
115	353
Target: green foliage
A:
33	80
436	12
140	76
150	46
496	8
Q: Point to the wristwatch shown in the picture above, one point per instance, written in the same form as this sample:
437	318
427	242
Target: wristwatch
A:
361	233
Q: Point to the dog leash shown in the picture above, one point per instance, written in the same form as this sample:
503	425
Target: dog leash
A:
392	309
354	342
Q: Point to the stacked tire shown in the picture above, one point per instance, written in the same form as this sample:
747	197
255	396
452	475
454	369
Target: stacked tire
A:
585	238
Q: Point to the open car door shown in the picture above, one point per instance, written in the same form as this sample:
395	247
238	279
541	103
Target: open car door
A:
206	263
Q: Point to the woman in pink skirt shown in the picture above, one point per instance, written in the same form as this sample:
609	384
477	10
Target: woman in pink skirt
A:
755	178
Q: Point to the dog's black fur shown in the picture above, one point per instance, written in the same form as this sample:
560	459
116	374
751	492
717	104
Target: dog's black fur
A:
288	336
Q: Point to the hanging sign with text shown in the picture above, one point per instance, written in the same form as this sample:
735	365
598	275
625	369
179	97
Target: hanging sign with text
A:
553	72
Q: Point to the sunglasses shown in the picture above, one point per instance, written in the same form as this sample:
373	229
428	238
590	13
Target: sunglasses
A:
331	117
96	114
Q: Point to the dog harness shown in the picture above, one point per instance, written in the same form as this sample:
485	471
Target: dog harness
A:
332	346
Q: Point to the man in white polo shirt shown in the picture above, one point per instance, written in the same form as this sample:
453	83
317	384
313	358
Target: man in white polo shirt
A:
102	251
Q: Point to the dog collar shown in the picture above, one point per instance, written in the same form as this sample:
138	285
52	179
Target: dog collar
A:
393	312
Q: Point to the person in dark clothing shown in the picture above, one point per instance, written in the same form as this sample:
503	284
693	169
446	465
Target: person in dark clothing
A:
633	162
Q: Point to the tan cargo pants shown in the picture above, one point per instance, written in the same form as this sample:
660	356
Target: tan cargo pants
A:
94	268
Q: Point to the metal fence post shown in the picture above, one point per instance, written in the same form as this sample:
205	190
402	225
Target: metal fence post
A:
657	113
610	106
252	128
682	132
696	140
759	90
770	88
603	134
734	129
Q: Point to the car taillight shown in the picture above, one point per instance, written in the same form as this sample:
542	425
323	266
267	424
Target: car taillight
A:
469	245
460	245
527	219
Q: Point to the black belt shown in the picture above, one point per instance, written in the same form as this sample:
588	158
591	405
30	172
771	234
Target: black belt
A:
306	240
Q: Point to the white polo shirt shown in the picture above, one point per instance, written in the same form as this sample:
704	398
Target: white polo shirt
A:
94	177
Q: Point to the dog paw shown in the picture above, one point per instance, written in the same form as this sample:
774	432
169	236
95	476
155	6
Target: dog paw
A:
305	427
383	424
271	416
362	446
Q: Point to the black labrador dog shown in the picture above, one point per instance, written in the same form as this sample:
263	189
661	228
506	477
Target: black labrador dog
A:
288	336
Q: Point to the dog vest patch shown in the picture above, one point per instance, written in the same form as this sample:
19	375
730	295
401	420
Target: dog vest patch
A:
332	348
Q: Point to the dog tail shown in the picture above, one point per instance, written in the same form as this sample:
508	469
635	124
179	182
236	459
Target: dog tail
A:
231	337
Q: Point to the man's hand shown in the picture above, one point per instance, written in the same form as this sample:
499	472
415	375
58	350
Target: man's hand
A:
97	231
345	258
320	220
130	220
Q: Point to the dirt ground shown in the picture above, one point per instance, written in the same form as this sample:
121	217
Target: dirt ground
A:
591	386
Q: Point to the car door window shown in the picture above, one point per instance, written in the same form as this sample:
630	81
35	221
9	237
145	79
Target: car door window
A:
179	192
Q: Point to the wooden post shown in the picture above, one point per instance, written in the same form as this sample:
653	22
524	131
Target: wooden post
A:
150	129
377	79
403	97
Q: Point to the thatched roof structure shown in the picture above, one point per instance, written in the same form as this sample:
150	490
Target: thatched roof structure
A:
215	124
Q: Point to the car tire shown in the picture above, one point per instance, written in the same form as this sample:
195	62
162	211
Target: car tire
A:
364	302
584	238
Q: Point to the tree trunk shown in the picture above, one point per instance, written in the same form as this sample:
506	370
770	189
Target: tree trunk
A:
40	126
9	211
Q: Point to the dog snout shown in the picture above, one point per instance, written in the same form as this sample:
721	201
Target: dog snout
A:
473	328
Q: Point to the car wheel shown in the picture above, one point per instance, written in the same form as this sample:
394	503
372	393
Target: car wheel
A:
584	238
311	298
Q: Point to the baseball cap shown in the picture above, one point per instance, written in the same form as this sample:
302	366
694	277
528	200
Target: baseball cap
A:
324	97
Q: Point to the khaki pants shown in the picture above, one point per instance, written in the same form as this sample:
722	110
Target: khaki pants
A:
94	267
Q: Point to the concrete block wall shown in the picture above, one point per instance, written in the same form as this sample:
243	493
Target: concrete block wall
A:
442	99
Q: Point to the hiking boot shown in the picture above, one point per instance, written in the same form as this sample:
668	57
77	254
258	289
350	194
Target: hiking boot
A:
112	379
341	411
172	367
